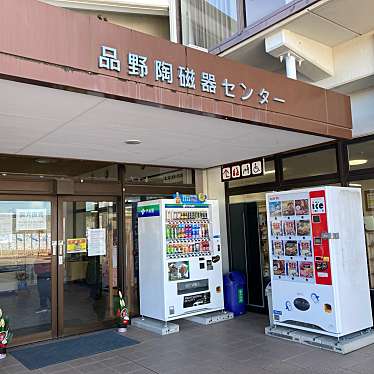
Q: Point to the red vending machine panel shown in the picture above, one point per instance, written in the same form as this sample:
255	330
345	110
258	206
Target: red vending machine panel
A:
322	266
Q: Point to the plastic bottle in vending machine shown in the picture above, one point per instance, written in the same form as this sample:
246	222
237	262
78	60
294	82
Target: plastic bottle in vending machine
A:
187	229
196	230
175	232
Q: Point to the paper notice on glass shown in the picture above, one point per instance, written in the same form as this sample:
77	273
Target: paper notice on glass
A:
6	227
96	242
31	219
76	245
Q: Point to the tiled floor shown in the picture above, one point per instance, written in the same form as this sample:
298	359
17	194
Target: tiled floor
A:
236	347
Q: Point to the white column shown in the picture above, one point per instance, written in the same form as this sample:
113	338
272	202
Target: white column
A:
291	70
173	21
291	60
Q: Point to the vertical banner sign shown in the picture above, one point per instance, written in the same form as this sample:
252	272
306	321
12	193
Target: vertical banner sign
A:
242	170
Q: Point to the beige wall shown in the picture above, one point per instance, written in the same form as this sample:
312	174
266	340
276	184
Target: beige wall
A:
149	24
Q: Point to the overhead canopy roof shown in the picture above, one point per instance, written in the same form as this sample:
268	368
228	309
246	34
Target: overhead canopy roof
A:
68	106
49	122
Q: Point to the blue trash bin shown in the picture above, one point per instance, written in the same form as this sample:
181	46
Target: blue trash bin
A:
234	285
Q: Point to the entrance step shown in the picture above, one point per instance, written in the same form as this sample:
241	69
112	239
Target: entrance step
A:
344	345
210	318
154	325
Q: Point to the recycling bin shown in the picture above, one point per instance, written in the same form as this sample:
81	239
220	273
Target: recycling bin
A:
234	286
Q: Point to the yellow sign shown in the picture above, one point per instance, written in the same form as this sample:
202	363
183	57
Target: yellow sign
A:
78	245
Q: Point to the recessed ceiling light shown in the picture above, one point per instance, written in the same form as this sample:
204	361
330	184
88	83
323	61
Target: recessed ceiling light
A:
357	162
133	141
4	174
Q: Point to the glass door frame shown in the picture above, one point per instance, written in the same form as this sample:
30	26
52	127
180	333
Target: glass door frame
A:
67	331
54	309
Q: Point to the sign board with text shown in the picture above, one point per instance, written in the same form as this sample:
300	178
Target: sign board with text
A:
243	169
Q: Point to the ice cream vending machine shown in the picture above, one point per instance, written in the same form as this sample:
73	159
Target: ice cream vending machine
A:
180	260
318	258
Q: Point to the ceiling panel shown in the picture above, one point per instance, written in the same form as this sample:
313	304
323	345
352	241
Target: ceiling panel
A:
319	29
53	123
40	102
356	15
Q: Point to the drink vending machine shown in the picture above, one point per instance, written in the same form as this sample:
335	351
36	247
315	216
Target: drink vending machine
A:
180	261
319	268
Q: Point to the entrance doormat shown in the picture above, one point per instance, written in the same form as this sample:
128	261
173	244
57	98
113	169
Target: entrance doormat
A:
55	352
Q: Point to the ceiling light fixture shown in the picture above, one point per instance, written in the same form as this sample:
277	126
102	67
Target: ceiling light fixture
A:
358	162
355	185
133	142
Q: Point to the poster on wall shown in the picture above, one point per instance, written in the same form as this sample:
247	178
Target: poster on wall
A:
6	227
31	219
76	245
96	242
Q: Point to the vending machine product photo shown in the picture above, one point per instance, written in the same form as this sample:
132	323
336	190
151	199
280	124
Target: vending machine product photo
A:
318	258
180	260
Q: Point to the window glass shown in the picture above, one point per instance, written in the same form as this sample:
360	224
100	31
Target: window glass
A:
268	177
206	23
367	189
257	9
157	175
57	167
26	265
310	164
361	155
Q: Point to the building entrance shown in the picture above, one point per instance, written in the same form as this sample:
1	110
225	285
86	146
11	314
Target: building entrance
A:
58	264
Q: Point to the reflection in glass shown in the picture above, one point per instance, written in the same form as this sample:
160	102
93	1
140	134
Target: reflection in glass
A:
367	190
145	174
206	23
257	9
90	262
310	164
361	155
25	265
